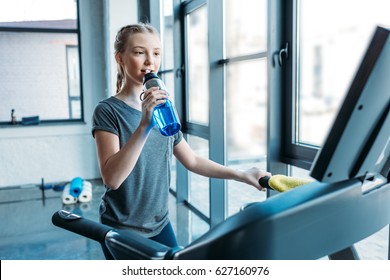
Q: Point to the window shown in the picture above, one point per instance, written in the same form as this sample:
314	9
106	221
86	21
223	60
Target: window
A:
246	94
197	98
199	185
225	63
41	48
198	66
330	52
166	69
325	55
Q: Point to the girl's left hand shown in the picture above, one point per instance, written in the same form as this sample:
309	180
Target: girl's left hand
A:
253	175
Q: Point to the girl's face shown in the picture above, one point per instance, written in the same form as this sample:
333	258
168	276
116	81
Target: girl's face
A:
142	55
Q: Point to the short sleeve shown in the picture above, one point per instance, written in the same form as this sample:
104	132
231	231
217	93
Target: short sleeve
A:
104	118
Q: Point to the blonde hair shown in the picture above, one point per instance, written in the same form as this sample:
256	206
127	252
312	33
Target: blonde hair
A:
121	40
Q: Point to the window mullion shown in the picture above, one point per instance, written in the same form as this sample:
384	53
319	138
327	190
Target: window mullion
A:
218	197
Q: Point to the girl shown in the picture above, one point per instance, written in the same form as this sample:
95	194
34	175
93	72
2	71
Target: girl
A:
134	158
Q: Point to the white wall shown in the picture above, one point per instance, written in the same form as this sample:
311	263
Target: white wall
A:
119	13
59	152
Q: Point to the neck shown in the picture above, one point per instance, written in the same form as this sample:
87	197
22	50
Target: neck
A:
131	96
131	89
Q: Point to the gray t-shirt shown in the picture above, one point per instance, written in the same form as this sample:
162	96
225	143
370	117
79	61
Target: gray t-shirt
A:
141	202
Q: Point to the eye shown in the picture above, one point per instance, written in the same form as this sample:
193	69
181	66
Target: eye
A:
138	51
157	54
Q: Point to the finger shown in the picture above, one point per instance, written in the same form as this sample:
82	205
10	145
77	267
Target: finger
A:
155	94
150	91
260	188
155	99
151	102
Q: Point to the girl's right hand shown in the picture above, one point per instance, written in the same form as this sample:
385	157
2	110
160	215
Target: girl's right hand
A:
151	98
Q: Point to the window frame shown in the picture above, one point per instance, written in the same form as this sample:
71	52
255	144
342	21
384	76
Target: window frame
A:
292	152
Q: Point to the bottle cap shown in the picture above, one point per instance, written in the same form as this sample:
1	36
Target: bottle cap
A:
150	75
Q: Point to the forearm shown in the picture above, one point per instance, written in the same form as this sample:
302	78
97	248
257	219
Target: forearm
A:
208	168
212	169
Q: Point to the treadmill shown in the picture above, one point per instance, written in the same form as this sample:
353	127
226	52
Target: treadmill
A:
348	201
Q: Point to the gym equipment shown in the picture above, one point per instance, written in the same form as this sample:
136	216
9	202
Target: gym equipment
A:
77	190
349	202
67	197
76	186
86	192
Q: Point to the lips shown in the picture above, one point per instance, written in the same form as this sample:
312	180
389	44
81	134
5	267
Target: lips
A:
146	71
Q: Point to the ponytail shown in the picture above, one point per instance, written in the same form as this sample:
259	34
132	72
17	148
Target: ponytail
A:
120	76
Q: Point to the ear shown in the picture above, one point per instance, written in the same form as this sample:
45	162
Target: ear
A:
118	58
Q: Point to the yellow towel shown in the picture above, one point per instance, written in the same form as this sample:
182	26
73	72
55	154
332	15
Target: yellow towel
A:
282	183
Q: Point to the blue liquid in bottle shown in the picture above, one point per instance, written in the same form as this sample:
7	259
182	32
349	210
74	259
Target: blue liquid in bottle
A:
164	115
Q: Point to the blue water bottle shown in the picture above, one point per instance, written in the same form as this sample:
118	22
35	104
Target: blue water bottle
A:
164	115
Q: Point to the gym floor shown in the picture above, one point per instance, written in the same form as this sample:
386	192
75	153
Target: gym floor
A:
28	234
26	231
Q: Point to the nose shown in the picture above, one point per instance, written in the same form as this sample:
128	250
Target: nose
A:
149	59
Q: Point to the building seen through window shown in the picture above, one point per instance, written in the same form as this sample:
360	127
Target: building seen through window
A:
40	64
